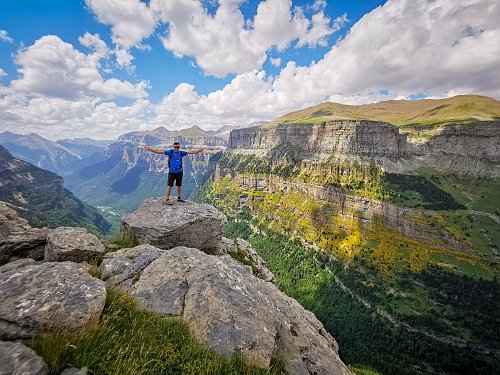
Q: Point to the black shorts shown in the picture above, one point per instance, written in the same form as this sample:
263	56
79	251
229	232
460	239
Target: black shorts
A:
177	177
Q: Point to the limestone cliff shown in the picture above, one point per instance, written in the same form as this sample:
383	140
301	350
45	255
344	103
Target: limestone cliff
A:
475	146
342	138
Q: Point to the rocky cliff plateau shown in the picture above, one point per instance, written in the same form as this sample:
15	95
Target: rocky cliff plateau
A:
232	307
475	146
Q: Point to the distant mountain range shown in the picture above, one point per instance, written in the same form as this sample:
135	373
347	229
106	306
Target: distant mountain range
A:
39	197
61	157
462	108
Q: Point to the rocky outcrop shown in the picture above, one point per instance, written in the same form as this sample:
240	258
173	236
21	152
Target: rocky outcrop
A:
48	295
18	359
479	140
73	244
228	308
341	138
18	238
241	250
75	371
182	224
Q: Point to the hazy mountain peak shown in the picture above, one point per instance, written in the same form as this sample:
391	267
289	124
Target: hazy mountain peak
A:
193	131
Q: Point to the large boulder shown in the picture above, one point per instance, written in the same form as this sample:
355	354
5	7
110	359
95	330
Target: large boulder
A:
231	310
18	359
73	244
17	238
48	295
182	224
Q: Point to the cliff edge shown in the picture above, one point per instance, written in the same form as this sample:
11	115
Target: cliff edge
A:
232	307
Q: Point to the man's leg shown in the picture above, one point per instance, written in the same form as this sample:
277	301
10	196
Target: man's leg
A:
179	187
169	187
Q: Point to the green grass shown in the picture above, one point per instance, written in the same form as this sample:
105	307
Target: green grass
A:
477	193
481	232
362	370
122	240
128	340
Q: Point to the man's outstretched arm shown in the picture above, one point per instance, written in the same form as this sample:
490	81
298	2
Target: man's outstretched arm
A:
155	150
196	151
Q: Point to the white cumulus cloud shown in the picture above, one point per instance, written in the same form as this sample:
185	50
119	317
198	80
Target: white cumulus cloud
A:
54	68
441	48
221	43
131	21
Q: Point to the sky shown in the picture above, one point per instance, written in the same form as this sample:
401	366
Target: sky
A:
101	68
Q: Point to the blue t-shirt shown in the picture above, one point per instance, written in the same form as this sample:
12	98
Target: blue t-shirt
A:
175	160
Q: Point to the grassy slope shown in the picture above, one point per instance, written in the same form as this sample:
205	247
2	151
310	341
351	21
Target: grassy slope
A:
128	340
460	108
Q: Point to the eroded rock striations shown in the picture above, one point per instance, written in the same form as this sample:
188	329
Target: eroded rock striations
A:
343	137
48	295
18	238
182	224
227	307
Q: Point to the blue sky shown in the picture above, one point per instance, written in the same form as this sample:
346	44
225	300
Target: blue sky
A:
100	68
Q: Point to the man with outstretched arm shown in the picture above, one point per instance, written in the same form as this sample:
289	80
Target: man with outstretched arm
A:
175	171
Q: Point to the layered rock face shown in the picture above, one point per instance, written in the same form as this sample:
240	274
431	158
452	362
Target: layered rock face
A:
476	140
405	220
227	307
363	138
182	224
467	147
18	238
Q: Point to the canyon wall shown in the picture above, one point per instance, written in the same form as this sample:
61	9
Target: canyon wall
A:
468	147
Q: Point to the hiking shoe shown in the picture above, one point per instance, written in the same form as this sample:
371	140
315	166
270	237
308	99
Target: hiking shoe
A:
180	199
169	202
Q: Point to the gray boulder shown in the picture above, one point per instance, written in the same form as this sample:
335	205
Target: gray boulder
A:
235	312
48	295
18	238
182	224
124	267
18	359
73	244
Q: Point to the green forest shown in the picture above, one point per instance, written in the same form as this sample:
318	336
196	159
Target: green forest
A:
366	340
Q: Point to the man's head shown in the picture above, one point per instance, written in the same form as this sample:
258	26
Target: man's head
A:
176	145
